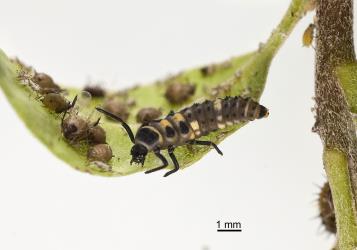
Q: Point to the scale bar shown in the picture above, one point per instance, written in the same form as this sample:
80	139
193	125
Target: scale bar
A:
229	230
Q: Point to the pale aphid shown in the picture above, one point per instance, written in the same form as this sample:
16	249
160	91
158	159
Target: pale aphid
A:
308	36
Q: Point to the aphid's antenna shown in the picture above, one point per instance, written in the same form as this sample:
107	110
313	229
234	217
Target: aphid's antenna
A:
71	105
126	126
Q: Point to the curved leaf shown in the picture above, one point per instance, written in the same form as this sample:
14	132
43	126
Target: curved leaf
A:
243	75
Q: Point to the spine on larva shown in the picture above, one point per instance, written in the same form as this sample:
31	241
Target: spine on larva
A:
209	116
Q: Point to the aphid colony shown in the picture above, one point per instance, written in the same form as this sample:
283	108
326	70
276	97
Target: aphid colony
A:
187	126
176	129
75	128
78	128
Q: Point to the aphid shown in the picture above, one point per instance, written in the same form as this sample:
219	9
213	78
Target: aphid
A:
327	210
308	36
100	152
148	114
75	128
95	91
96	135
117	107
45	83
187	126
208	70
57	102
177	92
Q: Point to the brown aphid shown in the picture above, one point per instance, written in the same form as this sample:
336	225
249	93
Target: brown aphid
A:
308	36
56	102
208	70
148	114
100	152
45	83
74	128
95	91
177	93
327	210
96	135
117	107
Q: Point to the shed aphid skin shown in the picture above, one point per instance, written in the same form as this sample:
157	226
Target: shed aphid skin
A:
308	36
187	126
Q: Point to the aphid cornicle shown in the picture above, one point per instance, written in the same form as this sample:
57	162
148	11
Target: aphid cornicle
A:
186	126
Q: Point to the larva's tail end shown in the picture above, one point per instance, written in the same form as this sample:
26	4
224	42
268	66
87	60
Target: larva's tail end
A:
264	112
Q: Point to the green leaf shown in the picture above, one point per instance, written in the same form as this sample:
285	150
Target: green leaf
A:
243	75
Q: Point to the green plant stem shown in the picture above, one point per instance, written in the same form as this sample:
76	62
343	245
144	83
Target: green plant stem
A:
336	166
334	123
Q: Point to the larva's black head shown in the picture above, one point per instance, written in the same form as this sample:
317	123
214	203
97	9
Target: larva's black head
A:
138	153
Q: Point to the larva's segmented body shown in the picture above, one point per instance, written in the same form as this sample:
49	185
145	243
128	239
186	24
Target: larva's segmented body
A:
188	125
198	120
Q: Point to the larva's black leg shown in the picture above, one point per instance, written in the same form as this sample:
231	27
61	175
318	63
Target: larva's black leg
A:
174	160
207	143
171	113
117	118
163	160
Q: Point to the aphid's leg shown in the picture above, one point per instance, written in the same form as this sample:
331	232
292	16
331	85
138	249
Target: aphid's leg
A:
207	143
73	102
163	160
174	160
96	122
71	105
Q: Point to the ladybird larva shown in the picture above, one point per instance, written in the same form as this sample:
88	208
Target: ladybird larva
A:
187	126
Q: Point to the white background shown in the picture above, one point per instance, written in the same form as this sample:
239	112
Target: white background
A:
266	179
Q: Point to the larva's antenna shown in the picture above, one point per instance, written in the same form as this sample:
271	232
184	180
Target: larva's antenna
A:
124	124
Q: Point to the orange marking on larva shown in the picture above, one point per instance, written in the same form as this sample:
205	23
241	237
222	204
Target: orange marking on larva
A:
165	123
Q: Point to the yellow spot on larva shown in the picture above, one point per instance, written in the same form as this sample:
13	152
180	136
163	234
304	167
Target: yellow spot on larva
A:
218	105
221	125
165	123
192	135
308	35
178	117
194	125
